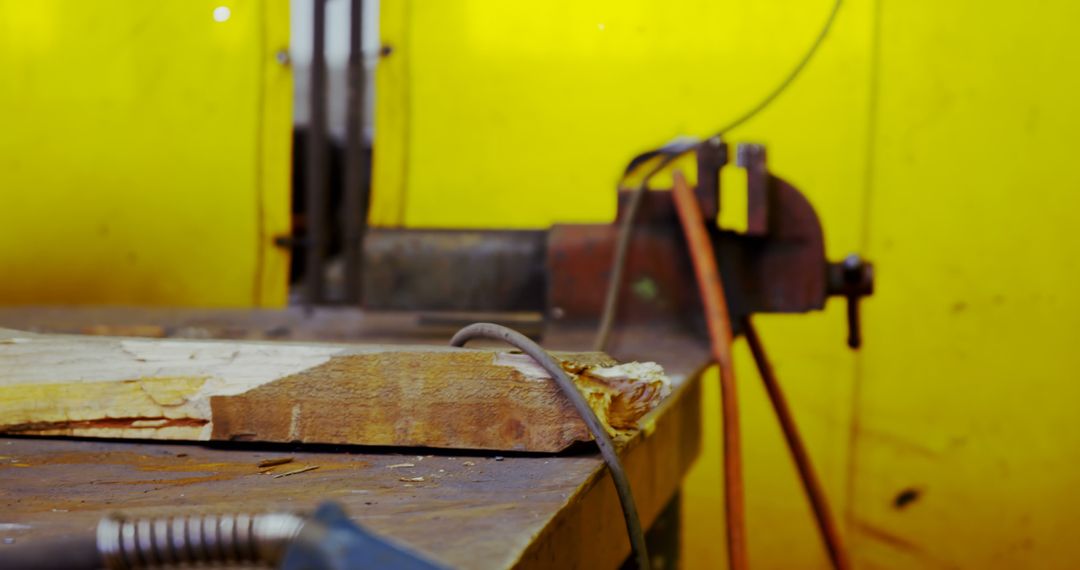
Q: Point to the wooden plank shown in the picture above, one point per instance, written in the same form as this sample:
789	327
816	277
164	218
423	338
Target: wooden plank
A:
427	396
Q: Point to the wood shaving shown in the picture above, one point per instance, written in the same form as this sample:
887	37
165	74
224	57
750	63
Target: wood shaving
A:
274	462
296	471
396	465
468	463
411	479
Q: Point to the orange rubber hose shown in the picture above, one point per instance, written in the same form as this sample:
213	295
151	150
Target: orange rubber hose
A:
719	325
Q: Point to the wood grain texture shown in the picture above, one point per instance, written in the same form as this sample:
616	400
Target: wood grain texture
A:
426	396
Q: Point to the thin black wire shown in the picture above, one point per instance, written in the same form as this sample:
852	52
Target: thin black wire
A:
607	447
790	78
618	263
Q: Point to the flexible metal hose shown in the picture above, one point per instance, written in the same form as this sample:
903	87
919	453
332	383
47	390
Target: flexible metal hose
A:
131	543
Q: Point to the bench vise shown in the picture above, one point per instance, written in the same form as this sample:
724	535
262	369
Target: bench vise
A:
775	264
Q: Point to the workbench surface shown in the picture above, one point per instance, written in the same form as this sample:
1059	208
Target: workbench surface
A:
468	510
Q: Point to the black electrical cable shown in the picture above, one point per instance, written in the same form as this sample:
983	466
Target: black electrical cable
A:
607	447
618	263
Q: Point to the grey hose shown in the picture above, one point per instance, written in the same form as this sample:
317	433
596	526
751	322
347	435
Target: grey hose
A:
607	447
622	247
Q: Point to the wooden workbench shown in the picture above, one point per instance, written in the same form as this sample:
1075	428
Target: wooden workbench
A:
471	510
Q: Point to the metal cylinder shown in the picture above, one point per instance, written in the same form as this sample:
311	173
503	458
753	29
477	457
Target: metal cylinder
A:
126	543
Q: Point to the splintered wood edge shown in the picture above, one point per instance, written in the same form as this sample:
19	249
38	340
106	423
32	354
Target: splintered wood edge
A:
163	389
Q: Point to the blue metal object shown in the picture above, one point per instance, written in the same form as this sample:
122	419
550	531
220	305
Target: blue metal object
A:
330	541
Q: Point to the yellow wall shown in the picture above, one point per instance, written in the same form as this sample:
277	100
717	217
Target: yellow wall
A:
144	152
968	390
933	136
